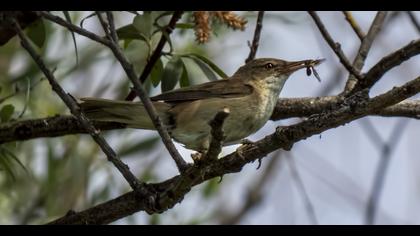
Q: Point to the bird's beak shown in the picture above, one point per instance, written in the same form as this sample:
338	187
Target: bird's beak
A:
293	66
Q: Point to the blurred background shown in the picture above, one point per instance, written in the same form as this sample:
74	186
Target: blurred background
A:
363	172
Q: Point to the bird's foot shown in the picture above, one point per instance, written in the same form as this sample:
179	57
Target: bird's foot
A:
246	142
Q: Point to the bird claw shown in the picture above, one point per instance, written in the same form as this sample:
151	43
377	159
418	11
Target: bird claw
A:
246	142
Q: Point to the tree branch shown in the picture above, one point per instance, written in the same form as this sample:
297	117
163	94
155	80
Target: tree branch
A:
74	28
336	47
75	110
173	190
414	20
387	63
256	40
61	125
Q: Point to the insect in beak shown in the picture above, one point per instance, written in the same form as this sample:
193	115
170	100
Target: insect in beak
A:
310	68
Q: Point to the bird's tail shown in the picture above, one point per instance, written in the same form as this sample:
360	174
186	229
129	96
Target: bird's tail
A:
131	113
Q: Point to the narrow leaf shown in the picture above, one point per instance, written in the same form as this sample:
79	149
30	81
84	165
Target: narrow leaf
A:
209	63
184	81
6	112
36	32
156	74
184	26
206	70
144	24
145	145
172	73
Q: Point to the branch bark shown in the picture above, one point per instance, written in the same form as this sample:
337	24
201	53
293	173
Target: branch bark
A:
256	39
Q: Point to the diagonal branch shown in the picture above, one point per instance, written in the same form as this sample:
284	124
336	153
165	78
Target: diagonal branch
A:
75	110
387	63
256	40
414	20
336	47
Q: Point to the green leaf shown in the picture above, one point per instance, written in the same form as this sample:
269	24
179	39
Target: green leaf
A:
36	32
184	81
6	112
209	63
129	32
144	24
142	146
7	161
127	42
184	26
172	73
156	74
206	70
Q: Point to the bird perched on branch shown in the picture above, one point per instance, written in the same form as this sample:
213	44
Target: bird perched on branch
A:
250	95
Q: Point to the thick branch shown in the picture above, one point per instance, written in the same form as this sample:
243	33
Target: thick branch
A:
173	190
61	125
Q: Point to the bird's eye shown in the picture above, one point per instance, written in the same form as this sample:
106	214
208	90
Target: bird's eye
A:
269	66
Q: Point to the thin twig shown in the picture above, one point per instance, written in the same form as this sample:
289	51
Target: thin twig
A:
158	51
256	40
151	110
111	23
75	110
336	47
364	48
354	25
104	25
75	28
388	62
301	188
414	20
381	171
217	135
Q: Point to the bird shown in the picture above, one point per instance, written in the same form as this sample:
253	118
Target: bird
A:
250	95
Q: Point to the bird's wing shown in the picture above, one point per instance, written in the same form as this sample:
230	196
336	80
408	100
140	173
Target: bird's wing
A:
226	88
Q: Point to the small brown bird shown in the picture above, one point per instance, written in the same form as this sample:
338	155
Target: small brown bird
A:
250	95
